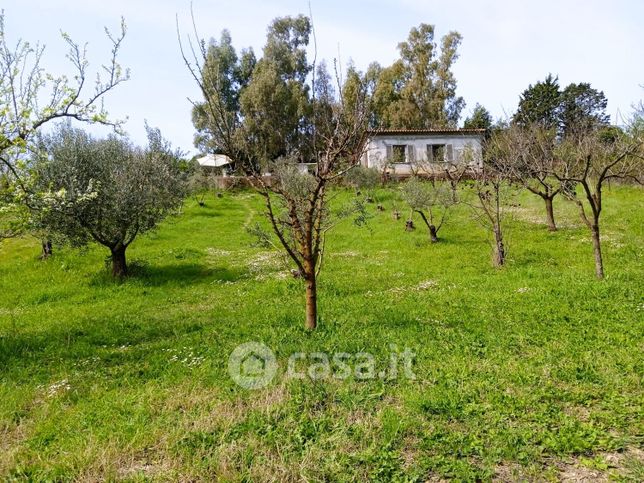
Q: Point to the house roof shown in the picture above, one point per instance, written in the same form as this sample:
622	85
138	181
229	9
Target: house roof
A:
426	131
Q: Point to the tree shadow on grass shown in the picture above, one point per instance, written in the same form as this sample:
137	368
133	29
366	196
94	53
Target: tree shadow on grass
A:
185	274
205	212
181	274
79	338
115	338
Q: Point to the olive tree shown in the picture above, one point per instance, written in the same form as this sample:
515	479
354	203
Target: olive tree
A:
431	200
106	191
361	178
200	183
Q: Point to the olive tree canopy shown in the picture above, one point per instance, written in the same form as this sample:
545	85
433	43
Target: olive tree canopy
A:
106	191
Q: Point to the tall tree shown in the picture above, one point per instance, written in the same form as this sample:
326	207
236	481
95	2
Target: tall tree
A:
390	109
419	90
578	107
582	109
479	119
540	104
276	104
230	74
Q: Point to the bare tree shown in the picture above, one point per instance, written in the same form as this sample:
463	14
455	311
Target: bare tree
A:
454	174
527	154
468	164
328	138
586	162
492	192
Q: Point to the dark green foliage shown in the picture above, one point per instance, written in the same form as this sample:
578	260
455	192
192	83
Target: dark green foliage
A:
582	109
479	119
571	112
540	104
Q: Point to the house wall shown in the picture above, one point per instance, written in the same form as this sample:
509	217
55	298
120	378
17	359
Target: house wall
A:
466	148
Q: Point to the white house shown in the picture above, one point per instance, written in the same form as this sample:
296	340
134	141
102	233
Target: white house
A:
403	152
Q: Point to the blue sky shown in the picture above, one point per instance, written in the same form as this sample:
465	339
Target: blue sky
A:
507	45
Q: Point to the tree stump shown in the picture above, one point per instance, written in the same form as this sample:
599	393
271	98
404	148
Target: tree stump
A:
395	215
409	225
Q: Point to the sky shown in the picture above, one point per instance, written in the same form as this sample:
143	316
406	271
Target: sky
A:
507	45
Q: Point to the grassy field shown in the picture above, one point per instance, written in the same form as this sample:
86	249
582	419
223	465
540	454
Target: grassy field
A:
530	372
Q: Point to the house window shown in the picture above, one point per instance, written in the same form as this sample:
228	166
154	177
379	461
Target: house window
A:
440	153
401	153
436	153
398	153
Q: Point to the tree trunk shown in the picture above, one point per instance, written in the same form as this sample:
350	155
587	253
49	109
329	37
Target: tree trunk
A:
550	214
454	185
119	266
46	249
498	258
597	249
433	231
433	234
311	302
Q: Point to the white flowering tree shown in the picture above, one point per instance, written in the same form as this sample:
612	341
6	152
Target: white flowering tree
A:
105	191
31	98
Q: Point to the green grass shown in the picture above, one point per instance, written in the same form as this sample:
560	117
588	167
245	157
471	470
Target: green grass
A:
519	371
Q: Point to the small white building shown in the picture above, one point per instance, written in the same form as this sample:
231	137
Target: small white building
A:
403	152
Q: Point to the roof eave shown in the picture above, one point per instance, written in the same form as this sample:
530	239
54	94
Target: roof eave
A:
376	132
